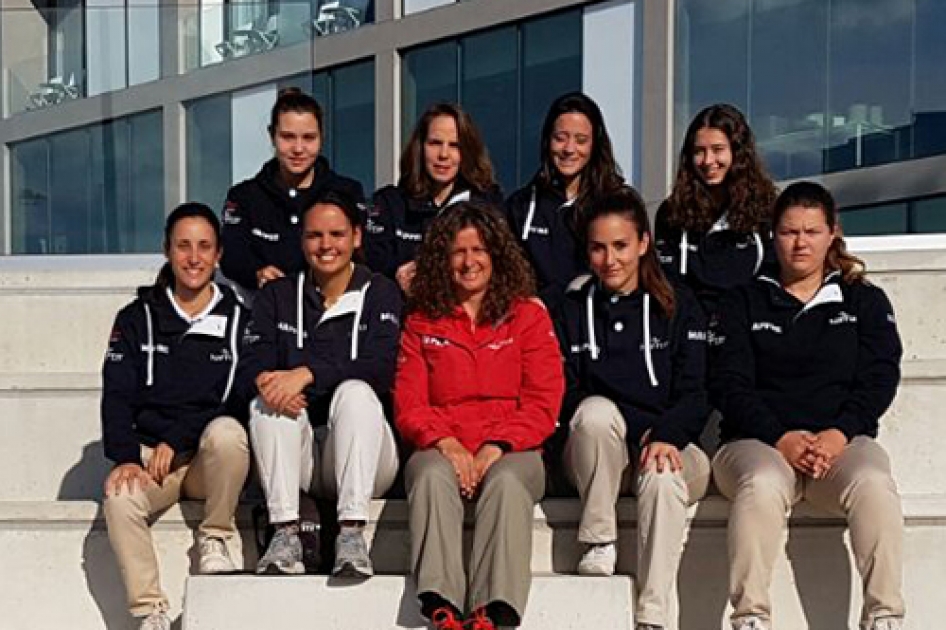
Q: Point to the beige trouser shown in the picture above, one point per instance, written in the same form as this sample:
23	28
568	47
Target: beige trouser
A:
215	473
501	564
598	463
763	487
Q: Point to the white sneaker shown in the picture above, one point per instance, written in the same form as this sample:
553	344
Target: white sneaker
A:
214	557
158	620
748	623
598	560
887	623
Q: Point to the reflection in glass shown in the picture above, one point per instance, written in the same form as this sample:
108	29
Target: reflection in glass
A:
430	76
97	189
209	150
929	106
488	92
929	215
353	123
888	218
551	66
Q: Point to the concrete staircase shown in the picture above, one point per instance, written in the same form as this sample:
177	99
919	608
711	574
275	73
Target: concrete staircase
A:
57	571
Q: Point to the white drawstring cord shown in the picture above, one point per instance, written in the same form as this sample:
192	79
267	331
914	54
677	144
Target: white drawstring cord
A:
150	348
299	290
648	359
592	341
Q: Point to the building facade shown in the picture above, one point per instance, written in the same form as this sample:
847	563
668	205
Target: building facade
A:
114	111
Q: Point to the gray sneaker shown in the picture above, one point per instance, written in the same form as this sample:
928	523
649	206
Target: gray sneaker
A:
158	620
351	554
284	554
749	623
647	626
887	623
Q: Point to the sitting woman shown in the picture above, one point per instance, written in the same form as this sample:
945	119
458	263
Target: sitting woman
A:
806	361
444	162
635	364
321	350
478	389
167	379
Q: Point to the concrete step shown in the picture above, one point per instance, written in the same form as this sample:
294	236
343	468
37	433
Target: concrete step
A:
64	543
58	309
57	415
384	602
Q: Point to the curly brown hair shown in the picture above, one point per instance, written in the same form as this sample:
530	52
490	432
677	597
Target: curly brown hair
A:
432	290
475	167
749	188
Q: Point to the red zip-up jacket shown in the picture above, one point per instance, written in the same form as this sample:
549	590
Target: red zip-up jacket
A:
499	383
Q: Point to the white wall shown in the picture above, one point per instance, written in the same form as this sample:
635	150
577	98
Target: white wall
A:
610	71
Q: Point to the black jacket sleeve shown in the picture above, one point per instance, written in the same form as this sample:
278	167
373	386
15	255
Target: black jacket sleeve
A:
666	241
380	238
120	384
260	342
732	378
377	347
239	262
878	365
689	408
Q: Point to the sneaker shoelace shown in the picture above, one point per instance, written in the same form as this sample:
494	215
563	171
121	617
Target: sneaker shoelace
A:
445	619
480	621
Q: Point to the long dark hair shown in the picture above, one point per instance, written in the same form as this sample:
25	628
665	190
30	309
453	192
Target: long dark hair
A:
475	167
627	203
601	174
189	210
749	188
432	291
294	100
813	195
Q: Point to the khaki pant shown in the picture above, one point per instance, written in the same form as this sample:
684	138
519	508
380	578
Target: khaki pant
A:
216	473
763	487
598	463
352	458
501	563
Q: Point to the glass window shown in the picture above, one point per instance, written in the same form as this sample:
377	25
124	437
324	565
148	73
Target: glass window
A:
488	93
430	76
876	220
98	189
209	150
870	52
551	66
929	107
353	123
506	79
929	215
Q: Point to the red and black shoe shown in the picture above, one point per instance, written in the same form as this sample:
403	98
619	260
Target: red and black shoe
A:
444	618
480	621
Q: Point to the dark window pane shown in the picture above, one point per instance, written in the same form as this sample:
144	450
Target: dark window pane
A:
430	76
712	60
141	223
70	189
788	82
322	93
875	220
551	66
209	150
489	94
353	126
870	53
929	215
929	125
30	196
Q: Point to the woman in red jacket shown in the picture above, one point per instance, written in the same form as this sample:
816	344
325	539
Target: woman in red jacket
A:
478	388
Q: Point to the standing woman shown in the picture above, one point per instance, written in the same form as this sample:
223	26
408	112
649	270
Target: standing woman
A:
321	352
807	361
636	402
714	230
444	162
262	216
167	382
577	165
478	389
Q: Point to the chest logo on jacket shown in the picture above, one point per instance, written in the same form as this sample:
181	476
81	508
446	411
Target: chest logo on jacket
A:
540	231
766	326
435	342
843	318
656	343
265	235
502	343
230	216
409	236
286	327
160	348
223	356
